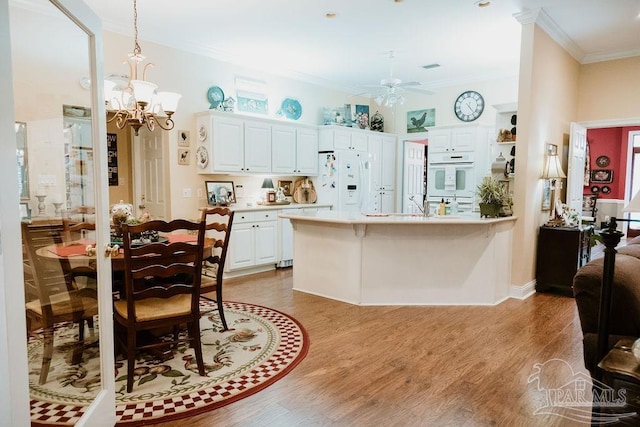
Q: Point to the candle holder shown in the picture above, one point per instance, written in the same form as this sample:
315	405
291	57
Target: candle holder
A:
58	209
41	205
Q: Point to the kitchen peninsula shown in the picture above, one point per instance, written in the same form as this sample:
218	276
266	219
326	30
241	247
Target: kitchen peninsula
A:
402	259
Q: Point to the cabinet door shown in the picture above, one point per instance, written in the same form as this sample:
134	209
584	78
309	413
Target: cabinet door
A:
307	152
464	139
283	145
388	163
228	145
358	141
341	140
257	147
439	140
240	252
265	242
374	147
387	202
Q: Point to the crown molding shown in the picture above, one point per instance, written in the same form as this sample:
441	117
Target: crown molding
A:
548	25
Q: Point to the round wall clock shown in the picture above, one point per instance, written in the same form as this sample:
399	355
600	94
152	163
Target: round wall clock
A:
603	161
469	106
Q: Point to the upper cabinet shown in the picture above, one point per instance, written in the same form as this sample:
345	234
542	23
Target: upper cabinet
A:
454	139
294	150
228	143
341	138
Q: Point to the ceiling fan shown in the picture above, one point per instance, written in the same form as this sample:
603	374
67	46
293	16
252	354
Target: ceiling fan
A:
391	88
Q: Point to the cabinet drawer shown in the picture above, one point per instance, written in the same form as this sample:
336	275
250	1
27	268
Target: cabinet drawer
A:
241	217
265	216
244	217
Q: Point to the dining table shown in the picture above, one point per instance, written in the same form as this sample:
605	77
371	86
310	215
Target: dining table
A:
75	252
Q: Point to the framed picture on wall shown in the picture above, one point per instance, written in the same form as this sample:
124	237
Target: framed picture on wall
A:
546	195
602	176
25	212
220	192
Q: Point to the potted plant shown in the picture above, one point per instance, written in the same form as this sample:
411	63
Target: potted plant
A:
492	196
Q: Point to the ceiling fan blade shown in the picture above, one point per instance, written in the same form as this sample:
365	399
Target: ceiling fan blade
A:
405	84
420	90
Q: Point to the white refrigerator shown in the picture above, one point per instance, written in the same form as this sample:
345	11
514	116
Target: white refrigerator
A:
344	180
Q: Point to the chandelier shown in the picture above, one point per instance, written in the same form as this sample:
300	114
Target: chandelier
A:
138	103
390	98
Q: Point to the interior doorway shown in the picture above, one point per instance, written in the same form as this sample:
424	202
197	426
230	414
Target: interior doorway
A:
633	229
149	171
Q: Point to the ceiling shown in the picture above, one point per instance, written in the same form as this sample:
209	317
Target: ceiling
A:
351	51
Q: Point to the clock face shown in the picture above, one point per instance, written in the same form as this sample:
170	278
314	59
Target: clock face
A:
469	106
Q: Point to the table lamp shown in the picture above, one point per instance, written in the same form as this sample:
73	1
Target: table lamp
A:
611	238
553	171
270	195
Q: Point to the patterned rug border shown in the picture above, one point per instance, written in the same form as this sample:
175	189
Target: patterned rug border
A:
214	405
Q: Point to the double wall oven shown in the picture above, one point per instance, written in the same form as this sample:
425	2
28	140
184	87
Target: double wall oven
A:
452	175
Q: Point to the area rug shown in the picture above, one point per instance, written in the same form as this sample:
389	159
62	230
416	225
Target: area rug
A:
261	347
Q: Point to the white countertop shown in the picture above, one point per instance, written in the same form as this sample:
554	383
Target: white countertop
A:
242	207
397	218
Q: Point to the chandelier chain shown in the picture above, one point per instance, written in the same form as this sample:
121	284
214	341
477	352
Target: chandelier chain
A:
137	50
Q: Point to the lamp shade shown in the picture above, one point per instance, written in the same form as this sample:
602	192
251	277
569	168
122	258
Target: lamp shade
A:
169	101
142	90
553	168
267	183
634	204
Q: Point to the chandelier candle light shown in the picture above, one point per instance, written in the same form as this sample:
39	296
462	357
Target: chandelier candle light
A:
138	104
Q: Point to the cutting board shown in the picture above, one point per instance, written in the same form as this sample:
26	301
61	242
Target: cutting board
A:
304	192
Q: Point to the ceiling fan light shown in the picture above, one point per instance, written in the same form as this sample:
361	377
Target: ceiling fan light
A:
379	99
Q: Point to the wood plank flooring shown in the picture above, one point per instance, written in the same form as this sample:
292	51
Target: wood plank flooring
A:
409	365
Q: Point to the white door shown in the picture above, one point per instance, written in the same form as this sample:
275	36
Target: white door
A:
413	177
575	173
150	174
27	45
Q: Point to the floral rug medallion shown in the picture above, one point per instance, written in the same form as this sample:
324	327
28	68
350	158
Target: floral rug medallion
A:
261	347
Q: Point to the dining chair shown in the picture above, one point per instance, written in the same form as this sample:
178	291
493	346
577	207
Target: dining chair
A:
162	288
56	301
218	225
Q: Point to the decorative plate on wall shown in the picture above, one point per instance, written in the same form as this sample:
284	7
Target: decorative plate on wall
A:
606	189
203	156
603	161
595	189
202	133
215	95
291	109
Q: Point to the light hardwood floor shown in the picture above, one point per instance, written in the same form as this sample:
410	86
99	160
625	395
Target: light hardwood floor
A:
407	366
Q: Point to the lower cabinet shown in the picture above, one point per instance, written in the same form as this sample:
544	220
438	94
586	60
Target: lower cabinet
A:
561	252
253	240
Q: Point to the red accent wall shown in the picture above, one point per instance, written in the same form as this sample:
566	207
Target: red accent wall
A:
610	142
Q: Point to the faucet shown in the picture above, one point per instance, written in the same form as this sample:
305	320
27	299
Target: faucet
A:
424	209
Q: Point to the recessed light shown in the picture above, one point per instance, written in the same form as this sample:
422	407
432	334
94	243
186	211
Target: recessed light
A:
483	3
330	15
397	1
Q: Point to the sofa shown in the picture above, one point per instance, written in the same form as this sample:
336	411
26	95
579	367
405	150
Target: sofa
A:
625	312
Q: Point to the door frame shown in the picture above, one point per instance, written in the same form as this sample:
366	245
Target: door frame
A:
14	391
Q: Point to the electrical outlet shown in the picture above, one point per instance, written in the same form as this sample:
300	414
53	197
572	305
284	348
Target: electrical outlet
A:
199	193
186	192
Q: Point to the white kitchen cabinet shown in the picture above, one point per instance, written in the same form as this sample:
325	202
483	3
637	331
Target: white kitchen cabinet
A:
342	138
453	139
382	149
294	150
257	147
384	201
232	143
253	240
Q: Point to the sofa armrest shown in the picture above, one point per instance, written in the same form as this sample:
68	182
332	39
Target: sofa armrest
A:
625	313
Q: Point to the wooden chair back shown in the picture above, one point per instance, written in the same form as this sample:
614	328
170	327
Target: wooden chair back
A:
162	287
218	224
54	299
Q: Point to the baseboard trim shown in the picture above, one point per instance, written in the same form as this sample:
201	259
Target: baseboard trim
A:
524	291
